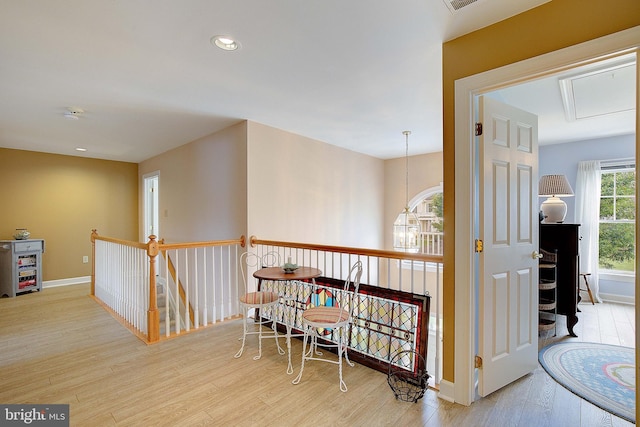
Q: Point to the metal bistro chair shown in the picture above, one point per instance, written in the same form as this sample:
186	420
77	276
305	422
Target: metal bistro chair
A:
258	301
316	320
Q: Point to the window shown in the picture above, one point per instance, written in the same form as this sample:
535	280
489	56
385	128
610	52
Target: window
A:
617	218
429	212
428	209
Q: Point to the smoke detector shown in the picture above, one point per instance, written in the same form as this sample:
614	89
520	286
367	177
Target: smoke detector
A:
73	113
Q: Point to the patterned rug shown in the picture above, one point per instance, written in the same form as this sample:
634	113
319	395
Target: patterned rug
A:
605	375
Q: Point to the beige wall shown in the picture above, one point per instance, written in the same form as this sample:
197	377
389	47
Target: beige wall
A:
253	179
61	199
304	190
257	180
425	171
550	27
296	189
203	188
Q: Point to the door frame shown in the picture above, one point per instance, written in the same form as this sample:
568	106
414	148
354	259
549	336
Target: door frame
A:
466	89
146	212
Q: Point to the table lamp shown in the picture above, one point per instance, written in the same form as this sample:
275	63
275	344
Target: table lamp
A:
554	186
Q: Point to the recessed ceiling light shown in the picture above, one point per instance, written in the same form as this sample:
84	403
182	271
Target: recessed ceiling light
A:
225	42
80	149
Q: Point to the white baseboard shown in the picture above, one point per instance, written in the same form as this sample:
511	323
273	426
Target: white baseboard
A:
66	282
621	299
446	391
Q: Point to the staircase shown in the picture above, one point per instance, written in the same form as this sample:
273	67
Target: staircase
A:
162	295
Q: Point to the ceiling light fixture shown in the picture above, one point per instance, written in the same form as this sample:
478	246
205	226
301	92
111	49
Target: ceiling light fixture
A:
406	229
225	42
73	113
81	149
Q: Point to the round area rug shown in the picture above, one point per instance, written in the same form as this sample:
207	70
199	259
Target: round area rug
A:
605	375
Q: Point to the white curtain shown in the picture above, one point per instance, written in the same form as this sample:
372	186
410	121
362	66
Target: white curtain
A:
588	216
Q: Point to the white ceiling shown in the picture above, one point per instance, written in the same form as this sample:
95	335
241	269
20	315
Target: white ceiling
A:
589	102
350	73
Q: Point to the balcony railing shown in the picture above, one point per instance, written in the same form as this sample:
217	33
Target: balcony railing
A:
431	242
412	274
160	290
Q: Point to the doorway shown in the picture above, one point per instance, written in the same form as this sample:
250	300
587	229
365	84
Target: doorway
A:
466	89
587	114
150	202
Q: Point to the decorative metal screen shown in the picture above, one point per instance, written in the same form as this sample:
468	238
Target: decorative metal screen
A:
385	322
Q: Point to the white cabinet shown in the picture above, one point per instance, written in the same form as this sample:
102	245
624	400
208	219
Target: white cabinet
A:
20	266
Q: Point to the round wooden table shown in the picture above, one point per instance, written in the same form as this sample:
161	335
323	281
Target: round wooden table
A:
278	274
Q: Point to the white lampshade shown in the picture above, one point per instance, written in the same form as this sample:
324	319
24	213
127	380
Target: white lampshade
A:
554	209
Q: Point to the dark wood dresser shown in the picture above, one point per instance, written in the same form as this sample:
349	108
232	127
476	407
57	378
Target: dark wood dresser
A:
564	238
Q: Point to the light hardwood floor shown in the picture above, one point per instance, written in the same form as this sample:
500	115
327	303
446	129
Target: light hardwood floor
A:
60	346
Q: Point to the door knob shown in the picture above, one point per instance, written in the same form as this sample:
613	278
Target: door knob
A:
536	255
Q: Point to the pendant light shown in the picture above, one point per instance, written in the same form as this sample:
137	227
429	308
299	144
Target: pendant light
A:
406	229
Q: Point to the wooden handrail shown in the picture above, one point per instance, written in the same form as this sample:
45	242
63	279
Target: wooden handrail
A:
153	247
95	236
347	250
166	246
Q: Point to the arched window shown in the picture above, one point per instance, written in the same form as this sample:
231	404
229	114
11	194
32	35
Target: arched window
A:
427	205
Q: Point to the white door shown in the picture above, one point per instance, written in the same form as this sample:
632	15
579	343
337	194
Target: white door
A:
508	226
151	219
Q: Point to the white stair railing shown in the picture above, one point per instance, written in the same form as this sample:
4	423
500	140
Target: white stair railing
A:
200	280
121	281
170	306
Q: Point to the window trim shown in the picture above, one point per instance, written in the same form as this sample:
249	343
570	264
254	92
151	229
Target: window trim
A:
425	194
617	276
612	167
413	203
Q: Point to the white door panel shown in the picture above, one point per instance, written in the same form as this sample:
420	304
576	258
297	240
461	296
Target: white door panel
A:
508	341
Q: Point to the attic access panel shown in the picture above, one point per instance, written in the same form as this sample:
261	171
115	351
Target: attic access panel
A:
601	91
